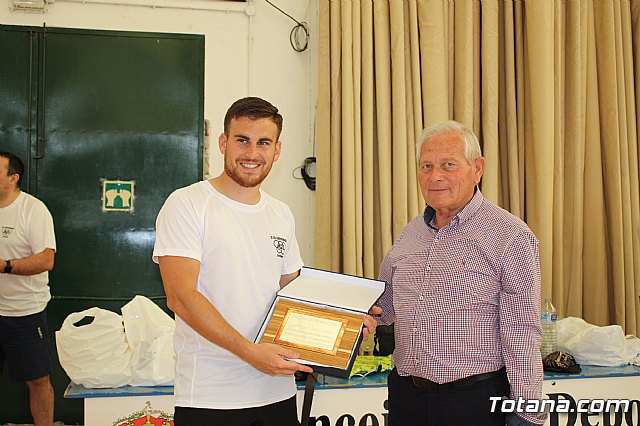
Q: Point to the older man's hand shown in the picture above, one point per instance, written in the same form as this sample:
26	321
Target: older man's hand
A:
370	322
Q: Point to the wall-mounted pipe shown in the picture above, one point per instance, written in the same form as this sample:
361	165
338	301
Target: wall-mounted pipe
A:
218	6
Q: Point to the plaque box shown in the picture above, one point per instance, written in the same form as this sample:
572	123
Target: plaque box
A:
337	300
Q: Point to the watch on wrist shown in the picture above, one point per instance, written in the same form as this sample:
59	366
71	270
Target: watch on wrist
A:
7	267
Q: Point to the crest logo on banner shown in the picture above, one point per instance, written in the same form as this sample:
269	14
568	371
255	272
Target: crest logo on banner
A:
146	417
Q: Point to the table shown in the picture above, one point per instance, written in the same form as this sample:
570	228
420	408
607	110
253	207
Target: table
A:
362	401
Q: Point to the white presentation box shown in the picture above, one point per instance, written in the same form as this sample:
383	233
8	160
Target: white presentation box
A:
319	315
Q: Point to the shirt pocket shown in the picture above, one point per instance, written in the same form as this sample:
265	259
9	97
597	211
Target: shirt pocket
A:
464	282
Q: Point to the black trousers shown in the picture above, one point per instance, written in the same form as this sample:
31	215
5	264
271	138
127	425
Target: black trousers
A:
466	406
281	413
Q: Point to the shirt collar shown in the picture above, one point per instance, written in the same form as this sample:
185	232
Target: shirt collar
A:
463	215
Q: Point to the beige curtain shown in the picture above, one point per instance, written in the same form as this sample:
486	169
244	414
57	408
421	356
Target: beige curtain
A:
549	87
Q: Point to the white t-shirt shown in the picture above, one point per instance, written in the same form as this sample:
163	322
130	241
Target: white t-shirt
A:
26	228
243	251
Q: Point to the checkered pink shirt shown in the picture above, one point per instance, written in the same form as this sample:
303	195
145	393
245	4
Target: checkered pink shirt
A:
465	298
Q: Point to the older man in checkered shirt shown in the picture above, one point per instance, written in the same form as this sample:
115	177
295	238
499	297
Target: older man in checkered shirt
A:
463	289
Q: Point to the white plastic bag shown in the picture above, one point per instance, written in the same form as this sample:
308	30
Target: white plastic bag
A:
568	329
592	345
95	355
633	350
150	333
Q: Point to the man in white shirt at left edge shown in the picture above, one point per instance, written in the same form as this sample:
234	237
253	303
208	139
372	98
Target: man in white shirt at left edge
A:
27	250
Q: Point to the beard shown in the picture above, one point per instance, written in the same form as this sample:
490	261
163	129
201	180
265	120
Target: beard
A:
235	172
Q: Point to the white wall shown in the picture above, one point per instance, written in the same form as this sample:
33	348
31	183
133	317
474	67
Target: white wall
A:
247	52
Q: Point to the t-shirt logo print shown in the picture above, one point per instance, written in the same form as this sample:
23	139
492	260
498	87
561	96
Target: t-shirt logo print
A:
7	231
280	244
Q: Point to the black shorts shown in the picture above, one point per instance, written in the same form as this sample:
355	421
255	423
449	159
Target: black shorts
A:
24	345
283	413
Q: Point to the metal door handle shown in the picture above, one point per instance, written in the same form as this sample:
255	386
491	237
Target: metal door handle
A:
40	148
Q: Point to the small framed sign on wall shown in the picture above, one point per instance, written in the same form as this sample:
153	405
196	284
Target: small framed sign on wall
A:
118	195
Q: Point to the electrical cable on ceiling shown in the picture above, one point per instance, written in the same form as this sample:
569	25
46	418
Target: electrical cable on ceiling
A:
307	172
299	36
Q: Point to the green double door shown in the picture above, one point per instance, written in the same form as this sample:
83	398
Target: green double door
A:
108	124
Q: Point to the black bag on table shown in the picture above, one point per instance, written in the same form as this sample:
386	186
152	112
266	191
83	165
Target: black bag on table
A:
384	340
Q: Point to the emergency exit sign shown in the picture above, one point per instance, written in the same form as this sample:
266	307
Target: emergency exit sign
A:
117	195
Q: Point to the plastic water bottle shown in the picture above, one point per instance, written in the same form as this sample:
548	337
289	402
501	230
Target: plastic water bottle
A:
549	318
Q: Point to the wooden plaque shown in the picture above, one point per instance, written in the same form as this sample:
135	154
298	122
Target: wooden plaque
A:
320	335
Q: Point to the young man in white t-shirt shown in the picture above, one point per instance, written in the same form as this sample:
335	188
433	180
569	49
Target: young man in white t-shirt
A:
27	250
225	248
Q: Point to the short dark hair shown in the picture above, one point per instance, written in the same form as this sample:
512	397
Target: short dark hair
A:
254	108
15	165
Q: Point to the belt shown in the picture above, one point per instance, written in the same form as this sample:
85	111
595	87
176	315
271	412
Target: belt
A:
423	383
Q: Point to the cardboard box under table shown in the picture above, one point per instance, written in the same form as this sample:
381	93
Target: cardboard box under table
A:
319	315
